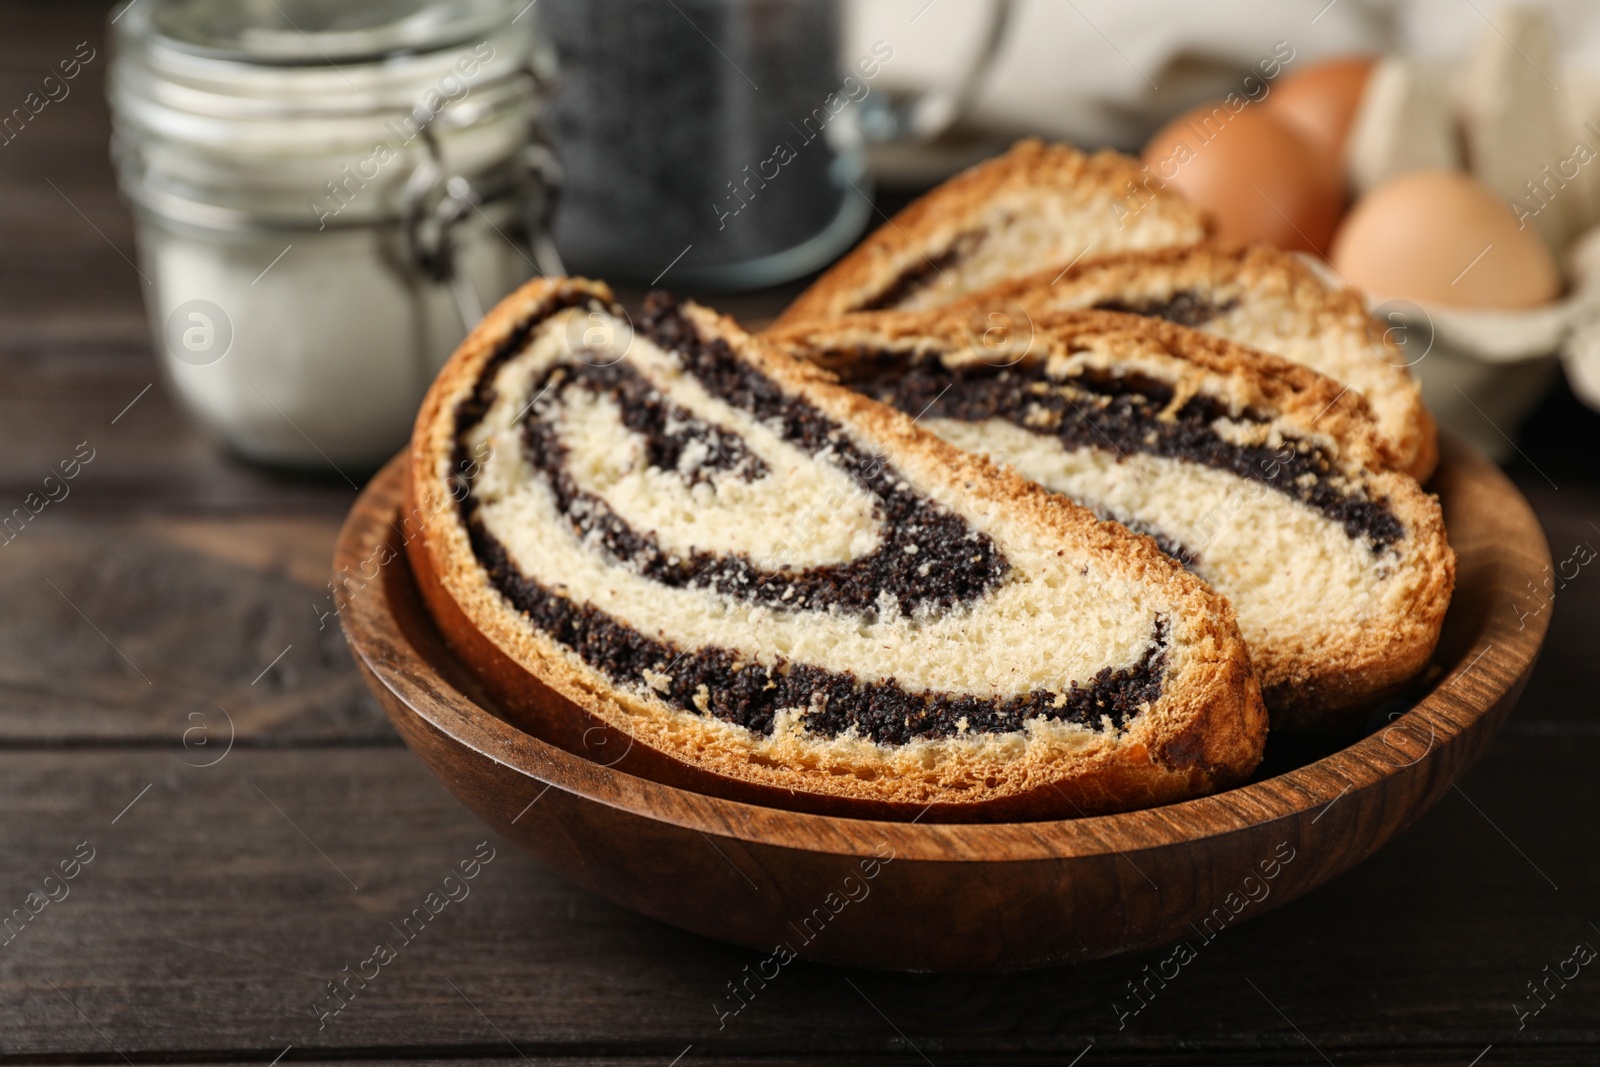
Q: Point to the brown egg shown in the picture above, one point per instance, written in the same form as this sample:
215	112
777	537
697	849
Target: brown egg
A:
1259	180
1320	102
1439	236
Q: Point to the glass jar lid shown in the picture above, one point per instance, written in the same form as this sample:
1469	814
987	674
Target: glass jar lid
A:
315	32
298	112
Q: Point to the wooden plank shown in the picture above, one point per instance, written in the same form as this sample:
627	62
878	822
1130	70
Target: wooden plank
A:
139	629
1560	693
217	908
147	454
73	400
1177	1056
65	244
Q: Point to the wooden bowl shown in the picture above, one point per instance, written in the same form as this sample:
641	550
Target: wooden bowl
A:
962	897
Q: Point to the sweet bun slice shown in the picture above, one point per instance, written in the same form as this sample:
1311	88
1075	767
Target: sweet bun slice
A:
1257	296
1035	205
1264	478
669	540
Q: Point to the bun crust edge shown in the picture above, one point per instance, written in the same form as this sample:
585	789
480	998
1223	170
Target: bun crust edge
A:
925	227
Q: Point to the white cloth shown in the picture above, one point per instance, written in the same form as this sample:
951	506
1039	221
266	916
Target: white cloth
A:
1108	72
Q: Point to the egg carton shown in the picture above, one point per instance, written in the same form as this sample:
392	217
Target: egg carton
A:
1502	115
1483	371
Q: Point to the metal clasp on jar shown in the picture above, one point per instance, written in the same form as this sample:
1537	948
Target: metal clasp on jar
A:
436	203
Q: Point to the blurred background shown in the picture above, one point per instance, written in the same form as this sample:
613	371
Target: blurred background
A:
237	239
309	203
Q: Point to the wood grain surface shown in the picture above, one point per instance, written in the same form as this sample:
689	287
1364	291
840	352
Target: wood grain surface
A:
207	923
211	921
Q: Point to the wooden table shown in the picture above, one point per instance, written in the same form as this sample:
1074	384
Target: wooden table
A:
172	592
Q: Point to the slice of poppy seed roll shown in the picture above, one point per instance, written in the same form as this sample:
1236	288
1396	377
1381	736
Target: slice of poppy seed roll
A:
1261	476
1261	297
672	539
1009	216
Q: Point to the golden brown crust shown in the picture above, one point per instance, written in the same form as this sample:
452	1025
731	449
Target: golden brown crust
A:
1206	732
1056	174
1307	685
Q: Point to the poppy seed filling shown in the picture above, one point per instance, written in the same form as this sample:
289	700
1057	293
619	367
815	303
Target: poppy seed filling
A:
926	558
1127	414
1186	307
922	273
952	565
